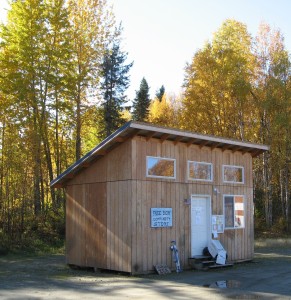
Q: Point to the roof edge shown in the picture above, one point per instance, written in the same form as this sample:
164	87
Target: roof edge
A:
112	140
83	159
185	133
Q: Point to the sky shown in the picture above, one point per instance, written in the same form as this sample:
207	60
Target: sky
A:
161	36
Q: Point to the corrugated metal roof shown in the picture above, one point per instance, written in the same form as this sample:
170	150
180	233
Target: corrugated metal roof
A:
149	131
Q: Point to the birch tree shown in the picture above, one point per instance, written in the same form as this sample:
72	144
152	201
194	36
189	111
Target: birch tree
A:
272	94
93	27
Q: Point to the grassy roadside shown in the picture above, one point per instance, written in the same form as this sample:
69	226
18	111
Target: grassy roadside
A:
273	242
34	247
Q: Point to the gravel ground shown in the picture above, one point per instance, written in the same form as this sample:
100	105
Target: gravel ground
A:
48	277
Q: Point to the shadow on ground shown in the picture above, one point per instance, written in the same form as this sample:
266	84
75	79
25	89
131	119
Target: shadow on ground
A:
48	277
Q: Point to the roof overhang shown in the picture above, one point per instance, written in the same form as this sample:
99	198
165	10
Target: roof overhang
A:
149	131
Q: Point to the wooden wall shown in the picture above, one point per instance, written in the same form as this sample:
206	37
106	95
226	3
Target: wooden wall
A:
98	232
86	225
151	245
108	207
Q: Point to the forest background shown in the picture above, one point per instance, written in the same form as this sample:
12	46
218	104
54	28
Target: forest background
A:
62	90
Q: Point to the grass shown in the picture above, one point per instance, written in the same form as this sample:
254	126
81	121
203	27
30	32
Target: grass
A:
32	247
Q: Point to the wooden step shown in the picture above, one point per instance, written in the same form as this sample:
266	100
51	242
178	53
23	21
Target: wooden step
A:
200	257
203	262
200	262
208	263
216	266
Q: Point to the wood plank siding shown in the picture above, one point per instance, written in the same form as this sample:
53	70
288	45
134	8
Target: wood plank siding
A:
109	198
151	245
98	213
109	202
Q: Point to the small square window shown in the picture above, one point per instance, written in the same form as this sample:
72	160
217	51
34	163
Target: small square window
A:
161	167
200	171
233	174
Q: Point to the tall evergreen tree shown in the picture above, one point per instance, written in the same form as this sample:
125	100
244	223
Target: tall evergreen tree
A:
160	93
141	102
114	82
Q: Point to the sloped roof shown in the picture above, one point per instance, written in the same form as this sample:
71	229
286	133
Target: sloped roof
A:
149	131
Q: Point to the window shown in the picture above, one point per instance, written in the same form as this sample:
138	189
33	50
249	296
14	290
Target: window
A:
161	167
233	174
234	211
200	171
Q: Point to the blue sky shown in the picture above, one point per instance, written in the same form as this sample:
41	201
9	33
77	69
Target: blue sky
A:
160	36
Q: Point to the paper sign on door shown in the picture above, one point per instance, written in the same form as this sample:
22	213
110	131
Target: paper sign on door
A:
198	217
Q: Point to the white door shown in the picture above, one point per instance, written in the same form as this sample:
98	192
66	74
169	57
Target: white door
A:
200	224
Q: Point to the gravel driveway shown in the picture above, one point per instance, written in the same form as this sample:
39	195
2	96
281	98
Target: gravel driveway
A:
48	277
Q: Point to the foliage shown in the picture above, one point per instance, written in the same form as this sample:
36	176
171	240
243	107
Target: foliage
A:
162	112
62	83
217	85
50	56
114	82
272	96
160	93
92	25
239	87
141	102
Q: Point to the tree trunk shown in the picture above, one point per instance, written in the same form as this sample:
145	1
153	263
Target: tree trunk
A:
78	125
267	190
2	165
37	164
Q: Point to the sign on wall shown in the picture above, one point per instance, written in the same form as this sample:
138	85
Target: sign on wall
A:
161	217
217	223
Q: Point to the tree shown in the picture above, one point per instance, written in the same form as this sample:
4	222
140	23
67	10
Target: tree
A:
239	87
114	82
23	59
218	84
272	96
141	102
92	25
48	58
160	93
162	112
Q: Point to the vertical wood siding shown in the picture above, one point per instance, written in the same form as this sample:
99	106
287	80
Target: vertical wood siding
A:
151	245
98	217
108	206
86	223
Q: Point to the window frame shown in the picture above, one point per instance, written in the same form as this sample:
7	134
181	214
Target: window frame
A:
234	215
160	158
234	166
199	162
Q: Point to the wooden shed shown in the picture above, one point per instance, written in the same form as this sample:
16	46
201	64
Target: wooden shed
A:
147	185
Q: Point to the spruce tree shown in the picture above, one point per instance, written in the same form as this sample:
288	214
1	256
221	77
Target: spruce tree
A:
160	93
114	82
141	102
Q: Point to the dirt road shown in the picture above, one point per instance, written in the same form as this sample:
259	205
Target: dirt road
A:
48	277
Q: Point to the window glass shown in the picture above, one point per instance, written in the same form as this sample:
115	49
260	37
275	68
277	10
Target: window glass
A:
239	220
234	211
229	212
233	174
161	167
199	171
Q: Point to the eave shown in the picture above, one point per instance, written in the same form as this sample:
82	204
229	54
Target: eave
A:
149	131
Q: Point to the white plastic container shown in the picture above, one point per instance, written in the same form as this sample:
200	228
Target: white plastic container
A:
216	249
